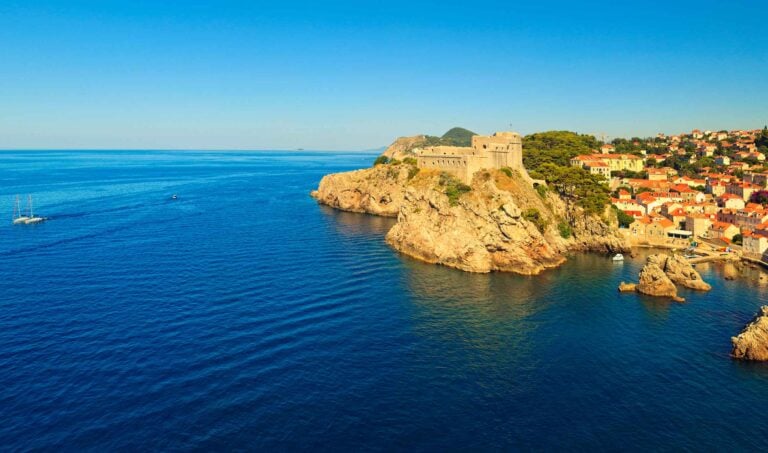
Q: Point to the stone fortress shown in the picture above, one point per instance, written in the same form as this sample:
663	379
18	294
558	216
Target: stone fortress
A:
502	149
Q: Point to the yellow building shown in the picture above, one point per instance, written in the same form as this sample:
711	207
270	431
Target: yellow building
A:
615	162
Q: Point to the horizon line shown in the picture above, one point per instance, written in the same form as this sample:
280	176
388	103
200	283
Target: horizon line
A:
201	149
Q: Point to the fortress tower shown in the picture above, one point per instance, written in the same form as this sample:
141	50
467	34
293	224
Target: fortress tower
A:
502	149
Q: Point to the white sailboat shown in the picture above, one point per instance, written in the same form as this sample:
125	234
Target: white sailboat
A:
17	217
21	219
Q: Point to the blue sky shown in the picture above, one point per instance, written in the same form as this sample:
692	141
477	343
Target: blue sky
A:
350	75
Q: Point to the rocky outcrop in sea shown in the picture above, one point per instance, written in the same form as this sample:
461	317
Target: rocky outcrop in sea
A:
627	287
680	271
752	342
662	273
654	282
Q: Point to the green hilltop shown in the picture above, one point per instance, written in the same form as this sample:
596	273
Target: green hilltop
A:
457	136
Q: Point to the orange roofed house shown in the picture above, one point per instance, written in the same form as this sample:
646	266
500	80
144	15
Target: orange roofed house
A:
723	230
755	244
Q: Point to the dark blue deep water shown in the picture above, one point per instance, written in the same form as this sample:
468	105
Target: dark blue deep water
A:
245	316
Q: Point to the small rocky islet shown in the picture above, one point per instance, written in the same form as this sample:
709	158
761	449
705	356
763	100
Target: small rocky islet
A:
752	342
661	274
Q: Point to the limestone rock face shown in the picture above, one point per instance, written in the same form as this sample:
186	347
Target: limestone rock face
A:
752	342
592	233
654	282
483	231
680	271
378	190
402	147
502	224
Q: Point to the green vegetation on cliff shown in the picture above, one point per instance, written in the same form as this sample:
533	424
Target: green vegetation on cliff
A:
565	229
577	184
453	188
547	155
625	220
534	216
555	147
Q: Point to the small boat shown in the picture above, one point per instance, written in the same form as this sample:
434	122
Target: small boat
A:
30	218
174	197
618	257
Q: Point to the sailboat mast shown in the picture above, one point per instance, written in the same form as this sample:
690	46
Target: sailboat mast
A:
30	206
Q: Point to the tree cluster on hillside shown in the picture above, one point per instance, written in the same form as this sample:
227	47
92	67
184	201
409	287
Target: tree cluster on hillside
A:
761	196
547	156
578	185
625	220
762	140
685	168
632	146
630	174
555	147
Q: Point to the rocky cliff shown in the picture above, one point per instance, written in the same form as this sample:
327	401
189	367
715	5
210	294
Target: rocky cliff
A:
378	190
482	230
498	223
403	146
752	342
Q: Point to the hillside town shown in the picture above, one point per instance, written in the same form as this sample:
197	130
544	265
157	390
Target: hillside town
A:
701	187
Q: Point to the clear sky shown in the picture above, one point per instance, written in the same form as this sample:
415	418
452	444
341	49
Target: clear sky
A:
355	75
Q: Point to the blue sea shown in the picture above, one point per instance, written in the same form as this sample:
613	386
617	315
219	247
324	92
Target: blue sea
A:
244	316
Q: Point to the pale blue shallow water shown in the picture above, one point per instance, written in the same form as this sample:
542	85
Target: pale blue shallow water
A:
245	316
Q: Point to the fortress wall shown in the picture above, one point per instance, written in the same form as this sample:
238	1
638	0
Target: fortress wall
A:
455	165
475	164
443	150
503	149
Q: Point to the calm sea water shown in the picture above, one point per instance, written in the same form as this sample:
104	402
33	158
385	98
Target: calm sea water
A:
245	316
